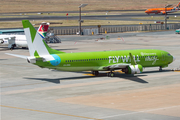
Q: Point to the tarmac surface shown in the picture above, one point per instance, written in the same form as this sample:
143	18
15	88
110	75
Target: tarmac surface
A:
32	93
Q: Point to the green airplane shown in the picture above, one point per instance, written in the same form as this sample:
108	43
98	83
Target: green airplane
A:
129	61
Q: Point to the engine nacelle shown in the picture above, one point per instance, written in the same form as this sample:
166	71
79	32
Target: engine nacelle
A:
1	41
163	12
133	69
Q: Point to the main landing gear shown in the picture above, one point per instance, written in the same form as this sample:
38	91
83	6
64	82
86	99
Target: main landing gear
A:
160	69
110	74
96	73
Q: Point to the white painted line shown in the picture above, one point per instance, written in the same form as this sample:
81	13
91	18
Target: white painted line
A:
139	112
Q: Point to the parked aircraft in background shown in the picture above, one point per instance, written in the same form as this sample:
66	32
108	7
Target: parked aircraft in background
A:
20	40
14	41
163	10
130	61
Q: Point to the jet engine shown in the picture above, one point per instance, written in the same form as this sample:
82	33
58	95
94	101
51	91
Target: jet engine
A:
1	41
163	12
133	69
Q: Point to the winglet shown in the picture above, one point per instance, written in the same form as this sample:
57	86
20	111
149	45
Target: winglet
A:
133	62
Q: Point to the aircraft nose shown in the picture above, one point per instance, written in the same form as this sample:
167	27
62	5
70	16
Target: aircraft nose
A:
147	11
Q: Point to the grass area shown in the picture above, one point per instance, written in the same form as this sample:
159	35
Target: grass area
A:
9	6
11	16
18	24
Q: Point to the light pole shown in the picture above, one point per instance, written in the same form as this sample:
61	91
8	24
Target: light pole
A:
82	5
166	15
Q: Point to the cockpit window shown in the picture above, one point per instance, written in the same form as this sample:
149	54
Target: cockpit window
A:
169	54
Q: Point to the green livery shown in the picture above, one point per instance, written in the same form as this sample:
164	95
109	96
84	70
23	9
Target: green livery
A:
129	61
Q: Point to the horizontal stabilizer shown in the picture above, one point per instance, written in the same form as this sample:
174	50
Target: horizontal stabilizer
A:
20	56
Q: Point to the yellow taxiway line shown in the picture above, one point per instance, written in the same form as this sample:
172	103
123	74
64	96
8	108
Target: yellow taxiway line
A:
49	112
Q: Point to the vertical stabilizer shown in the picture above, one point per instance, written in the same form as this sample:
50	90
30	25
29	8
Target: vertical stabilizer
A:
37	46
178	6
43	28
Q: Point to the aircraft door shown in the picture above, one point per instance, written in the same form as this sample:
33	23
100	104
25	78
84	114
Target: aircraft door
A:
163	56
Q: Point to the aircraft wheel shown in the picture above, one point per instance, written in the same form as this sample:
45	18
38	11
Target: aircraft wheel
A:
110	74
96	73
160	69
13	46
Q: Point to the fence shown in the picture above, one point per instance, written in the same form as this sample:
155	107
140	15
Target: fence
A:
90	31
73	31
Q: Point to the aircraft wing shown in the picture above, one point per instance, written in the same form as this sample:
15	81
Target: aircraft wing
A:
170	11
116	66
121	65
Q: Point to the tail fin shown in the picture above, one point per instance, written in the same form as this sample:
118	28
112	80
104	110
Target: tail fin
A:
178	6
37	46
43	28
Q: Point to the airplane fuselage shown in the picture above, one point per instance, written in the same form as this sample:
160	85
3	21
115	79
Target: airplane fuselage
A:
20	40
95	61
161	10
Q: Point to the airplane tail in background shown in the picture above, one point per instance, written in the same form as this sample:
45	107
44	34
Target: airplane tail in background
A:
43	28
178	6
37	46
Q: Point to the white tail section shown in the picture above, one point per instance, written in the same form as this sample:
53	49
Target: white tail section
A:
35	42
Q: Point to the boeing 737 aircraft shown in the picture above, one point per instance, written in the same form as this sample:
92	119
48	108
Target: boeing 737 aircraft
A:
20	40
129	61
163	10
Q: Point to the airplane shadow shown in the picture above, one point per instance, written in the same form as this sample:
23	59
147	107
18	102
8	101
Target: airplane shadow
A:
131	77
89	75
4	48
3	59
167	70
8	49
67	49
57	80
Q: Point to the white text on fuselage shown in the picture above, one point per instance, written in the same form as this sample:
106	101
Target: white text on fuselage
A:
116	59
